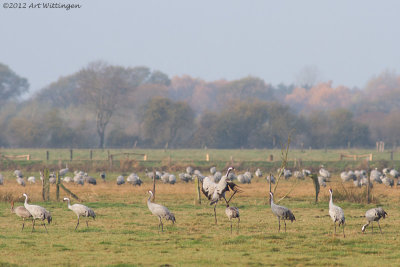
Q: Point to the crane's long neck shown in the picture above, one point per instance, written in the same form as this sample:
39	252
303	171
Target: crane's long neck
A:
228	171
272	200
330	201
149	199
69	203
26	202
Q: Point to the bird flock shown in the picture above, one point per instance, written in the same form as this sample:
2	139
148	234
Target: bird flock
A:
214	187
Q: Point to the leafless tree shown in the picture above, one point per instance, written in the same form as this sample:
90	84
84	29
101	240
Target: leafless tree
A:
104	86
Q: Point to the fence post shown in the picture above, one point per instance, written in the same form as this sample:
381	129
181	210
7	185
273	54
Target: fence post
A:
368	185
47	155
91	154
46	185
154	185
111	161
198	190
58	179
70	155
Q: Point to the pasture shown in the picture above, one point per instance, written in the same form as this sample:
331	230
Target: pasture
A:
125	233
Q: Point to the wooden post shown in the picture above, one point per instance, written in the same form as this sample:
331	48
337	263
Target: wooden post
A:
111	162
368	185
91	154
145	157
58	179
69	192
28	157
207	157
154	185
391	155
47	155
198	190
270	178
70	155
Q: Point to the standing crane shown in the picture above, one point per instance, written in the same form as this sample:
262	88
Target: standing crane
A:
160	211
215	191
336	213
81	210
281	212
103	176
21	181
374	215
37	212
64	171
232	212
21	212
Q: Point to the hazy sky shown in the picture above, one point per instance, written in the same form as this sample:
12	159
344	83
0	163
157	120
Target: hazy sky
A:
348	41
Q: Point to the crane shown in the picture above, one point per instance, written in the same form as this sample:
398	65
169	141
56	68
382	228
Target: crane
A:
64	171
232	212
215	191
374	215
37	212
81	210
336	213
22	212
160	211
281	212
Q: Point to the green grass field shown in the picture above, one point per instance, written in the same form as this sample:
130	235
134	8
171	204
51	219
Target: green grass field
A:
174	160
125	233
199	154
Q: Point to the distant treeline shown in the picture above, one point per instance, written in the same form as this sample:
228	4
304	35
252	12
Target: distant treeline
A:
104	105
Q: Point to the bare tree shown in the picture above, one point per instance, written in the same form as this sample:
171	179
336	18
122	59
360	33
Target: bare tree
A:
308	76
104	86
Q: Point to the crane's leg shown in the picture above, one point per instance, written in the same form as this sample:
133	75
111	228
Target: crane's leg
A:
231	225
285	224
372	227
380	228
335	227
44	224
238	224
279	222
215	213
162	226
23	224
33	225
343	230
77	224
87	223
225	198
